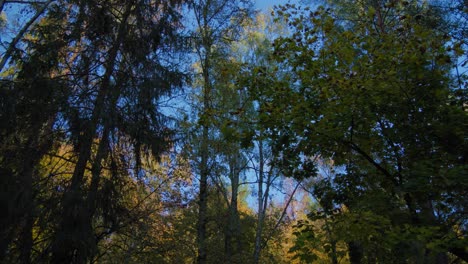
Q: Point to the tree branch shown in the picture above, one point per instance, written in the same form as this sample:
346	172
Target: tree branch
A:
20	34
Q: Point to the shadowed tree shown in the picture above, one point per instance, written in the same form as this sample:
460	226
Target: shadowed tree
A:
90	76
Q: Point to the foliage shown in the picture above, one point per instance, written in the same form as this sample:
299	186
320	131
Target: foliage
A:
376	94
361	103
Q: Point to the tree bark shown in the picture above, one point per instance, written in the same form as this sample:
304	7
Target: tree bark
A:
261	211
204	150
233	227
204	173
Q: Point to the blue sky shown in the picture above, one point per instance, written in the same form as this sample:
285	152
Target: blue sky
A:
267	4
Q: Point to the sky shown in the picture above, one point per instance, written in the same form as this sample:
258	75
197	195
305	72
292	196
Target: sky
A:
265	5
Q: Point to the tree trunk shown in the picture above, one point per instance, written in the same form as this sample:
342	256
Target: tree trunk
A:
233	226
203	200
261	211
101	155
204	173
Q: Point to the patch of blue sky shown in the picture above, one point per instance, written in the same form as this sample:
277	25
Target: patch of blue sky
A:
266	5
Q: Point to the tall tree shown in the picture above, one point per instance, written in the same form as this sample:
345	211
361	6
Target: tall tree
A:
31	97
90	77
254	51
231	118
133	33
375	81
216	22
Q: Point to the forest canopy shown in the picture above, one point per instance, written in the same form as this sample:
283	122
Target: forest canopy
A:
208	131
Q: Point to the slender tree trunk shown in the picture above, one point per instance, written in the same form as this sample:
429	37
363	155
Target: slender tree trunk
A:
204	150
283	214
101	154
96	170
203	200
233	226
228	235
204	173
261	212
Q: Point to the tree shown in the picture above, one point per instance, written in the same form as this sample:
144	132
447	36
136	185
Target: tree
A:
257	69
31	98
140	122
216	22
14	42
377	93
90	77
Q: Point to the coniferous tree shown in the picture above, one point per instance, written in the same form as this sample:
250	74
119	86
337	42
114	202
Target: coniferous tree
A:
90	76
